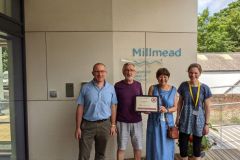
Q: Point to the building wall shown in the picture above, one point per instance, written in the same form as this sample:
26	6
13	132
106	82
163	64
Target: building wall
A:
64	40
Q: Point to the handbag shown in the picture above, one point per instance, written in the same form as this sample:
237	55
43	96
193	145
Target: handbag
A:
172	132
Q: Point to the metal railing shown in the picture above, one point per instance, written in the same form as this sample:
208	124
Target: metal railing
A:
225	116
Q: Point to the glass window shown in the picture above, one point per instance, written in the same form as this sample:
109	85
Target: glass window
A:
13	144
5	124
5	7
12	8
11	99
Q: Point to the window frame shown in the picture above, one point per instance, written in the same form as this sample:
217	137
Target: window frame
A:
12	28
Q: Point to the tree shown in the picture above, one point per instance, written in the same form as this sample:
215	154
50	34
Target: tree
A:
5	58
220	32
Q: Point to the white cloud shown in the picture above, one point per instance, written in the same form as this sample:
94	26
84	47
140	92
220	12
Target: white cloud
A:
213	5
204	3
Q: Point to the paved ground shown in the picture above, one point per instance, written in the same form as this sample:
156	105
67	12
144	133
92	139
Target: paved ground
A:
4	128
227	140
228	144
5	133
227	137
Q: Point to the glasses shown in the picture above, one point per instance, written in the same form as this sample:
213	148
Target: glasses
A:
98	72
129	70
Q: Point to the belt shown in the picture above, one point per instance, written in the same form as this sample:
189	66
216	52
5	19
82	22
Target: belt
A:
97	121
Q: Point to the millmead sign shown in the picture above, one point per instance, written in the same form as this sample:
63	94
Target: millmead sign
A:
150	52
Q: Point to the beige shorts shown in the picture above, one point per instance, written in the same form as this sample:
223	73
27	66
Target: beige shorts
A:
133	130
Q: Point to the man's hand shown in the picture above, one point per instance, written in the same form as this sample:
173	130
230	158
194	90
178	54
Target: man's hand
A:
146	112
113	130
78	133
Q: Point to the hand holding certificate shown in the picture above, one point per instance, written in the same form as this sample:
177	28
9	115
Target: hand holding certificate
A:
147	103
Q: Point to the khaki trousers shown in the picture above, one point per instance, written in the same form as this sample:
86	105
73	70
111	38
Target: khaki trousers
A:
94	131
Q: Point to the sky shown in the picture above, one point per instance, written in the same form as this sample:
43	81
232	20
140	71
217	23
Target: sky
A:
213	5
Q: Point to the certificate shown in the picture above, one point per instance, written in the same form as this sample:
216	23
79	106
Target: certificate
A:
147	103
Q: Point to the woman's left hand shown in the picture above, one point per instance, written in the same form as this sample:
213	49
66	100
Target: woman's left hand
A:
205	130
163	109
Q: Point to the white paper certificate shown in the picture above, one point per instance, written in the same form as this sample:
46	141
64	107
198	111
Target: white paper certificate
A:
147	103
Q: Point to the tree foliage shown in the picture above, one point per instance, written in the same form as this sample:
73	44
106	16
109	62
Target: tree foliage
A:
221	31
5	58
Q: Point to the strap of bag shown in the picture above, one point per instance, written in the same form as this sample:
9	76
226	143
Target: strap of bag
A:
166	119
165	116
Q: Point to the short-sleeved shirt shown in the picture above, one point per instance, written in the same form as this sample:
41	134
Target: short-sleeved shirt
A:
190	123
126	95
97	102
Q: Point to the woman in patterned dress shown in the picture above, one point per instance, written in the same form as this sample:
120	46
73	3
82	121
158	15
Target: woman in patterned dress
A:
159	147
193	112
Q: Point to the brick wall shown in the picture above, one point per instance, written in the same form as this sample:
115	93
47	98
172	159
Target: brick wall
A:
228	98
228	114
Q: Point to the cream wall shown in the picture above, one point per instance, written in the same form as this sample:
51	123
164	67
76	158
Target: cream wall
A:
71	56
70	15
155	15
65	57
65	38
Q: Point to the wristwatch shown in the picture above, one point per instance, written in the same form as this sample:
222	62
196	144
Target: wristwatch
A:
207	124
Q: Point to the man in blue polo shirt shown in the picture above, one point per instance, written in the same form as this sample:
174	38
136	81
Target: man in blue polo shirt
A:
96	114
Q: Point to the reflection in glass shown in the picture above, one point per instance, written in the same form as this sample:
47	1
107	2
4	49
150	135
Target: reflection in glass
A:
5	131
5	7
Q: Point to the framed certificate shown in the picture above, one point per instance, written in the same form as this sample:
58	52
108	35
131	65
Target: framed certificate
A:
147	103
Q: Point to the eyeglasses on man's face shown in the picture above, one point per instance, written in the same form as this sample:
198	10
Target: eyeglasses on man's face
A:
129	70
99	71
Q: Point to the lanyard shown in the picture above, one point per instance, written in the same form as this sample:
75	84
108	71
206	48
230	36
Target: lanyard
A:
198	93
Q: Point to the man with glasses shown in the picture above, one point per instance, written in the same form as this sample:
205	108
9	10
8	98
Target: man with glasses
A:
129	122
96	114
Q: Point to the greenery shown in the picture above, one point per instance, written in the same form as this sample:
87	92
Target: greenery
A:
221	31
229	115
235	120
207	143
5	58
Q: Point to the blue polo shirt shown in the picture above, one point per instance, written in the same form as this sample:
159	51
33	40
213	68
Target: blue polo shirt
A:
97	102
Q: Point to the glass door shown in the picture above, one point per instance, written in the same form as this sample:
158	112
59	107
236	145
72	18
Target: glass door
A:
5	123
7	109
12	103
13	110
